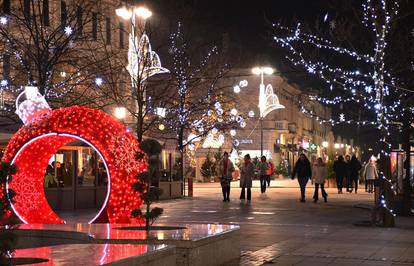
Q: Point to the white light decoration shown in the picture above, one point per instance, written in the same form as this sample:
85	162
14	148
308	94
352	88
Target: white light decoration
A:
213	142
161	127
217	105
342	117
236	142
243	84
233	111
143	63
337	145
236	89
120	112
221	138
3	20
233	132
325	144
98	81
33	104
142	12
220	111
251	114
268	101
123	12
243	124
214	131
63	74
162	112
68	30
4	83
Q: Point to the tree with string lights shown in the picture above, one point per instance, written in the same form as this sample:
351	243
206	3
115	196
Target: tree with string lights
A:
48	51
201	106
354	76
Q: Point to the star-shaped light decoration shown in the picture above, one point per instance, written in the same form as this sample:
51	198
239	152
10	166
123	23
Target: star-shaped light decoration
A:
342	117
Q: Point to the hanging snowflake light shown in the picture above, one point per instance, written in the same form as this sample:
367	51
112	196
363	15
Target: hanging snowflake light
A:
68	30
98	81
4	83
4	20
233	132
236	89
251	114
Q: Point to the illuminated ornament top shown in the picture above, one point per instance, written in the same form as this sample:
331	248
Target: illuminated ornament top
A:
34	104
213	142
142	61
268	101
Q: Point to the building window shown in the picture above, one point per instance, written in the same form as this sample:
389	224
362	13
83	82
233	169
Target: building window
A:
95	26
108	30
6	6
79	22
121	35
6	66
63	13
46	20
26	9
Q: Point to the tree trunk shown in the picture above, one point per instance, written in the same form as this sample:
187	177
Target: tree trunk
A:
407	149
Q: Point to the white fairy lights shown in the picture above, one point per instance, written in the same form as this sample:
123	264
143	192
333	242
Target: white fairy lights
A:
369	86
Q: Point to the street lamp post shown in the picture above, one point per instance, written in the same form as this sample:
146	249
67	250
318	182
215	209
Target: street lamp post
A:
268	101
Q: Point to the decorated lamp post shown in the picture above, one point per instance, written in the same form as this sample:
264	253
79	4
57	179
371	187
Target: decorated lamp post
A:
143	62
268	101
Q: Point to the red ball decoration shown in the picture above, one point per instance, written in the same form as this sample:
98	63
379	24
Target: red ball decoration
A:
34	144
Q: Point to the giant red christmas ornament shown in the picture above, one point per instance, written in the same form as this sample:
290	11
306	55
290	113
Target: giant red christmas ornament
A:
35	143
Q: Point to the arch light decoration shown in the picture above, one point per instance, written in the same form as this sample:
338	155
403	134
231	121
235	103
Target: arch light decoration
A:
35	143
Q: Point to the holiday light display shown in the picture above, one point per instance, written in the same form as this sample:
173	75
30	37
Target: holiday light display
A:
35	143
371	86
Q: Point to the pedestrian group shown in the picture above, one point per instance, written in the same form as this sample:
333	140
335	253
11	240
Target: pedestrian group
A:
346	169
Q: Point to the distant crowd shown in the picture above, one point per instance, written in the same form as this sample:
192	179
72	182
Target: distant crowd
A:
347	172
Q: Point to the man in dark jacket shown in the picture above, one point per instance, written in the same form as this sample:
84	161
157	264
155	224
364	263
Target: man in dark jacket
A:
354	168
303	171
340	169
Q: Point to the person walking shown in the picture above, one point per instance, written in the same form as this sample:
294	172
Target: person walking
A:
225	170
246	178
263	168
370	174
303	171
348	173
319	175
340	172
270	172
354	168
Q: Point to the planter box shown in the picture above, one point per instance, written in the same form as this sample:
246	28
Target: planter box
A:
170	190
197	244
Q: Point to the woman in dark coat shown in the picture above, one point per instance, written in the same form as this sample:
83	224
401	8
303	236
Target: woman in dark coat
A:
303	171
340	169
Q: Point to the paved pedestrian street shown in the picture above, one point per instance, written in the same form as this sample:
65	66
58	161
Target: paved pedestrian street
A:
277	229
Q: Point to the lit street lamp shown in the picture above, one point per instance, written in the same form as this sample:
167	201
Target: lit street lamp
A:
268	101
